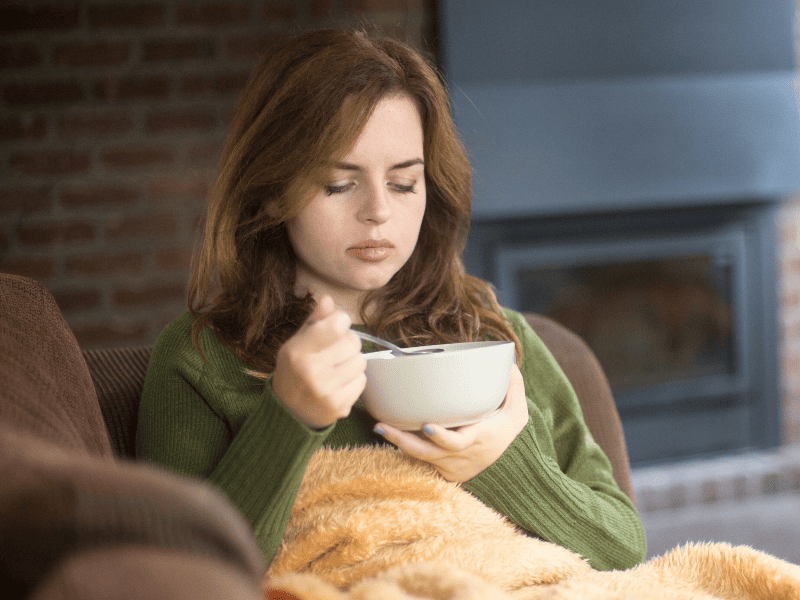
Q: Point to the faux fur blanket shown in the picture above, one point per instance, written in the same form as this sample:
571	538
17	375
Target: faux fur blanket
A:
376	524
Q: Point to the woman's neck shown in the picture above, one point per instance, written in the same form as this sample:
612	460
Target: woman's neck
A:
349	303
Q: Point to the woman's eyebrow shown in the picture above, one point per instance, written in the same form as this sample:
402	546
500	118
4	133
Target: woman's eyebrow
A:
344	166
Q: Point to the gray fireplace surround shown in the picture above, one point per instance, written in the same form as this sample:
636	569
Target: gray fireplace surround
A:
597	124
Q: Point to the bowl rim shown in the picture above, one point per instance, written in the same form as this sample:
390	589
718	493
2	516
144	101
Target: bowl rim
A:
449	350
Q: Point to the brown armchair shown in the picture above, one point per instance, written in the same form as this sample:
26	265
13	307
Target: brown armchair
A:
76	522
80	519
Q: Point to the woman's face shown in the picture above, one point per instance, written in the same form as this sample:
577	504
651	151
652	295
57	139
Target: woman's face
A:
362	226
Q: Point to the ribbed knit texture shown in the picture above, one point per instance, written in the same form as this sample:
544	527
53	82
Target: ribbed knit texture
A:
118	376
212	420
45	387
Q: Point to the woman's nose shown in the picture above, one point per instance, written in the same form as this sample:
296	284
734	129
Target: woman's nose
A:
375	205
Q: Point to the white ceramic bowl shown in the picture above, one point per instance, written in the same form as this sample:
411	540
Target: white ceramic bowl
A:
461	385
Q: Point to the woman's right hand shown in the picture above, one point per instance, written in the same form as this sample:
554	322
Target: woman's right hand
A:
320	371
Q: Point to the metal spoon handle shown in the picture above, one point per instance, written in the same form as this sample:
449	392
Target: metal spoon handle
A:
376	340
396	350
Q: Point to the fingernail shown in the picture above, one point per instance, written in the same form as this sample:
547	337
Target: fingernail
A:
379	431
428	429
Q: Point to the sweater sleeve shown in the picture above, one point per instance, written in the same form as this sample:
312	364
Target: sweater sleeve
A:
554	481
211	420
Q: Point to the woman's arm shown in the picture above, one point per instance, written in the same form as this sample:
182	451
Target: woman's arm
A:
554	480
535	462
214	421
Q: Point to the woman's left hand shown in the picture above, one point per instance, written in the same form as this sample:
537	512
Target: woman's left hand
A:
460	454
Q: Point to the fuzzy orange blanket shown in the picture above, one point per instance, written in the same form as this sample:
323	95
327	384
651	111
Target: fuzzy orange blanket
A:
376	524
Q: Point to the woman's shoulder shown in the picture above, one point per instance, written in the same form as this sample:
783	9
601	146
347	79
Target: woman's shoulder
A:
536	356
522	328
516	319
176	334
174	344
175	347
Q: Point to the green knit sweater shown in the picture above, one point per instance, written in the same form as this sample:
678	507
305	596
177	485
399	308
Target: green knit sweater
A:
214	421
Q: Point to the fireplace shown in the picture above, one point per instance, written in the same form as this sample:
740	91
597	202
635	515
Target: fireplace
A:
628	162
675	305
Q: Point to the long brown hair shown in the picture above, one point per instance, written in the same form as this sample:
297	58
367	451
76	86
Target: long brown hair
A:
291	121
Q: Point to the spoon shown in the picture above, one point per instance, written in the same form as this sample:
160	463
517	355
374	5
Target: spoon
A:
396	350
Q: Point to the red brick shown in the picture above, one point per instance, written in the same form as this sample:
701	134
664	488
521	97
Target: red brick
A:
25	199
395	31
23	16
278	11
251	47
376	5
791	299
55	232
174	258
52	163
173	120
97	54
98	195
136	15
48	92
790	331
178	49
198	85
150	295
791	363
206	153
137	157
176	188
322	9
71	300
104	264
36	267
232	82
23	128
791	432
93	123
19	56
111	334
141	226
213	15
200	223
132	88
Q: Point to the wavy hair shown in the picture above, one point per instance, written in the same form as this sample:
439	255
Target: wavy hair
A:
291	121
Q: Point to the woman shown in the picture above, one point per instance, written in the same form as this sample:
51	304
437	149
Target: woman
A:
343	199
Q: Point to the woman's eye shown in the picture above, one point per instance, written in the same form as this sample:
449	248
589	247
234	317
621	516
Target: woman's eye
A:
331	188
404	189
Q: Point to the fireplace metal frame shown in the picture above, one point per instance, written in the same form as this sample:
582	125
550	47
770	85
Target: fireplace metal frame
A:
719	414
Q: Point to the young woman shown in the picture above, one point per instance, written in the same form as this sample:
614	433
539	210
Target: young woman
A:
343	200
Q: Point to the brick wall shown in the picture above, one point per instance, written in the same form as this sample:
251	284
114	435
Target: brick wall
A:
789	310
112	115
789	297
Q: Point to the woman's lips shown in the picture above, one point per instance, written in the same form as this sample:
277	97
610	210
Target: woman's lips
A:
371	250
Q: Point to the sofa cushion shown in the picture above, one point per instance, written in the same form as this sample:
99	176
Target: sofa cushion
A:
57	503
118	375
45	387
146	574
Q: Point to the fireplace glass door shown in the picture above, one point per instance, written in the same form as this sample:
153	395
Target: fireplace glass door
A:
667	319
